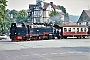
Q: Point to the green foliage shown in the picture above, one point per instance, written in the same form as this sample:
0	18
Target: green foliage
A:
53	13
14	14
2	15
62	8
8	20
22	16
7	17
18	16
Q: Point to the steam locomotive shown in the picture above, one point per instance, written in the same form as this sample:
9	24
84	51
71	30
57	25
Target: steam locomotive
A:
28	31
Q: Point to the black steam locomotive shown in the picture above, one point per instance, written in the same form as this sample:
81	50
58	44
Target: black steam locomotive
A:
28	31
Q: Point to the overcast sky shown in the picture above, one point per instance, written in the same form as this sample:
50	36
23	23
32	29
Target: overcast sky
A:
73	7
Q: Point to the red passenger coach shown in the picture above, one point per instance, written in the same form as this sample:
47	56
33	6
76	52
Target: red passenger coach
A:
74	31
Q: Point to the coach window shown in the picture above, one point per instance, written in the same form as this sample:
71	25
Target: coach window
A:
81	29
73	29
85	29
77	29
69	29
65	29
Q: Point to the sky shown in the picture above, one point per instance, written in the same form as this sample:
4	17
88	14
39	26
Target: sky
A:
73	7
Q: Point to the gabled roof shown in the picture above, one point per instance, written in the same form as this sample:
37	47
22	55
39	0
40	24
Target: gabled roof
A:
87	12
45	5
53	5
56	7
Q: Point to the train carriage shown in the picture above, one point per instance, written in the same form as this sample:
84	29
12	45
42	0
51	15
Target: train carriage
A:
73	31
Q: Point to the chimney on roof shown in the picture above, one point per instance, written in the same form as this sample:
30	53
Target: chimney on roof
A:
51	3
88	7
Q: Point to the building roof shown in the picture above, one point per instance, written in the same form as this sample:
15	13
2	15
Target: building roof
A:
87	12
51	3
45	5
59	26
70	23
56	7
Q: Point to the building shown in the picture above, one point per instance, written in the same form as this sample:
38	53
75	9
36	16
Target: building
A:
84	18
39	12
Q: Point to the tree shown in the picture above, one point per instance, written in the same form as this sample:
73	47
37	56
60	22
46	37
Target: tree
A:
2	15
9	16
8	20
53	13
22	16
62	8
13	14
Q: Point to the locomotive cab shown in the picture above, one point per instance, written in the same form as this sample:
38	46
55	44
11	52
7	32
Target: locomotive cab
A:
17	32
